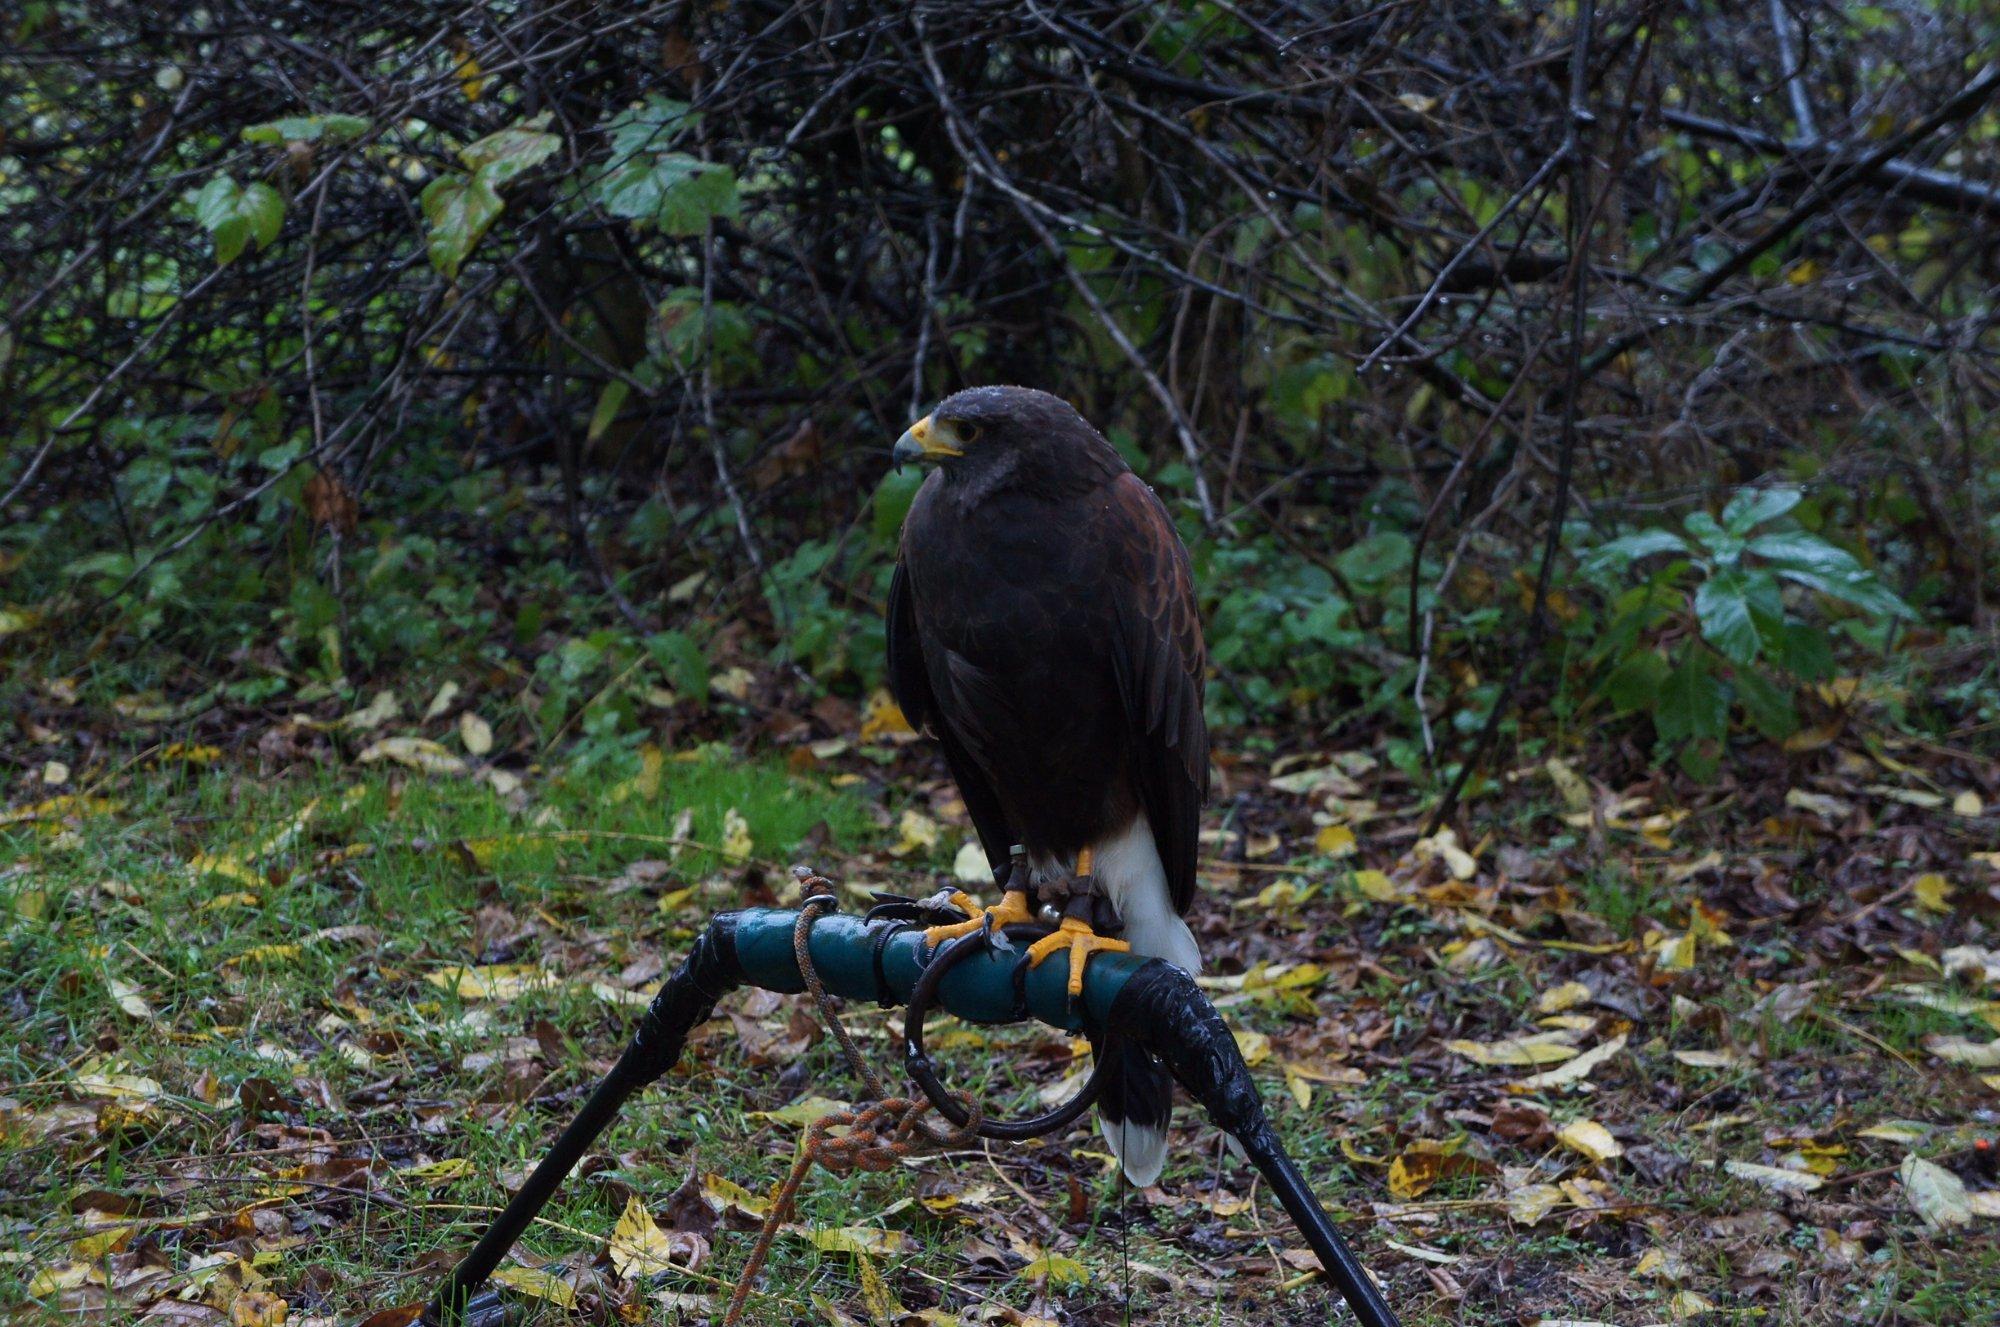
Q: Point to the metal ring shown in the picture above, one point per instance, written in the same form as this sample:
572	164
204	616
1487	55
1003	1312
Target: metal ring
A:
917	1063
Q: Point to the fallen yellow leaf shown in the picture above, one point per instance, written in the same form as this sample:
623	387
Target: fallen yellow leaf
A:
1590	1138
475	734
1375	885
417	753
1575	1071
638	1247
916	832
538	1284
1932	892
853	1239
1539	1048
128	998
1335	841
1778	1179
736	840
883	718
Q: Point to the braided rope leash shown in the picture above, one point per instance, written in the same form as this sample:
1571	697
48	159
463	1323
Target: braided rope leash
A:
877	1136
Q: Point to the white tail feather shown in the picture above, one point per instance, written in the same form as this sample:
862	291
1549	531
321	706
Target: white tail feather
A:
1127	869
1140	1148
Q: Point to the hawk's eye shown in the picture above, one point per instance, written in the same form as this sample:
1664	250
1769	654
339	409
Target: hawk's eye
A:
965	431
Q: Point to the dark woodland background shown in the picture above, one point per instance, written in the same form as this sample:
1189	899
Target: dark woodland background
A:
567	340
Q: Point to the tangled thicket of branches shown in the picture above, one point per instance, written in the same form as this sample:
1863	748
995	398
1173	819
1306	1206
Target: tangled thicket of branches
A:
704	261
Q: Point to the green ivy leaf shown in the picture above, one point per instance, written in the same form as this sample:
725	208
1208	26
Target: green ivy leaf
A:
647	181
308	129
650	126
502	157
459	209
709	194
679	193
234	215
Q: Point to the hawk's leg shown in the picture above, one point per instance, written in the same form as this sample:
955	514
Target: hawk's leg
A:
1076	933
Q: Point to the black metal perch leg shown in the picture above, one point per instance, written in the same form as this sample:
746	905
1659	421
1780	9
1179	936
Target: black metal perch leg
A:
1163	1009
709	972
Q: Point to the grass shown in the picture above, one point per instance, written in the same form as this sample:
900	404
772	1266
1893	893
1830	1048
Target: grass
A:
306	972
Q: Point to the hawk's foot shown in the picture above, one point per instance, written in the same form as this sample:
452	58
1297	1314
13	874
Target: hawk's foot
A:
1011	910
1075	936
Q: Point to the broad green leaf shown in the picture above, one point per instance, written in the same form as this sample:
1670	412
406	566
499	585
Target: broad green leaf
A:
1722	604
307	129
1376	559
609	402
1704	528
1630	548
459	209
1804	651
1865	592
264	208
1768	706
1636	682
1751	507
501	157
1808	560
1807	551
1692	702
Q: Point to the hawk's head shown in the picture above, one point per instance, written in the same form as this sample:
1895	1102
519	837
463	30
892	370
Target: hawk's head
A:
995	431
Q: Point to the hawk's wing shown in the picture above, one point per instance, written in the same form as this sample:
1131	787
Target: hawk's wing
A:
1160	661
910	684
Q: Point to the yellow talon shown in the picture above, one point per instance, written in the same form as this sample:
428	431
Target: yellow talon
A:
1076	936
1012	909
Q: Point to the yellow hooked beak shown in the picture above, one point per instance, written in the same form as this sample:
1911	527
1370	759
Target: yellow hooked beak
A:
926	440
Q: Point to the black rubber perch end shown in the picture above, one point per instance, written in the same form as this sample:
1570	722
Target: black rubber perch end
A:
1163	1010
483	1308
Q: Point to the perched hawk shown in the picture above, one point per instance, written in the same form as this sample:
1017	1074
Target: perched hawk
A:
1042	625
